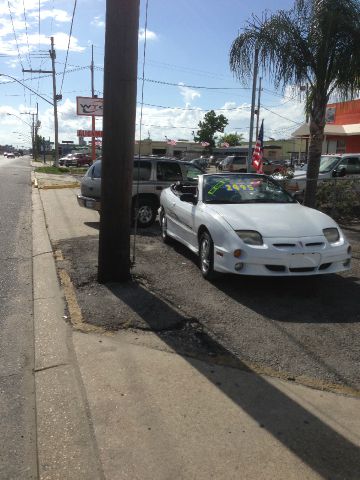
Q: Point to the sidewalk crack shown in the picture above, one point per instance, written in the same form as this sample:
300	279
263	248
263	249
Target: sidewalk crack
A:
48	368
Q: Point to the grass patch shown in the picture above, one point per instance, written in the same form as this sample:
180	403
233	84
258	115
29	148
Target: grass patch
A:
55	170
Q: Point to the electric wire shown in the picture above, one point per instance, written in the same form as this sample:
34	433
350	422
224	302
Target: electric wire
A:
15	36
68	47
281	116
27	36
140	132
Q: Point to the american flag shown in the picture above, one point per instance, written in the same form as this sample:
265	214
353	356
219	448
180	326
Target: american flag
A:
258	151
225	144
205	144
171	142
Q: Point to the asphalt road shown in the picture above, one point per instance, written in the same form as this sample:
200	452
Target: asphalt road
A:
17	397
304	329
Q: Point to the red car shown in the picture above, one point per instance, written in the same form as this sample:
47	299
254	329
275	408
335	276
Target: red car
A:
76	160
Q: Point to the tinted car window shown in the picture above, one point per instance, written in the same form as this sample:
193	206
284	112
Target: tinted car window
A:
168	171
142	170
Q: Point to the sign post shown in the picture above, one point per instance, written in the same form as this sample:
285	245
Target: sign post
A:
90	106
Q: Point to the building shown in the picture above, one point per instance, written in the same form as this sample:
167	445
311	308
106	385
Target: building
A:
181	148
342	129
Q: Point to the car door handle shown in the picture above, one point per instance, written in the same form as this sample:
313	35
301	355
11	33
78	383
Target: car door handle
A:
158	188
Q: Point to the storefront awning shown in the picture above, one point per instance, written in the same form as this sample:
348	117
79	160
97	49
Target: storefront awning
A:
340	130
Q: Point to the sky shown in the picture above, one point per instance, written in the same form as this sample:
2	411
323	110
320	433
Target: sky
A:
188	44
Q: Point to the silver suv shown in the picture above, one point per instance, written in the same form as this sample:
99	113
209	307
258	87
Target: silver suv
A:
150	176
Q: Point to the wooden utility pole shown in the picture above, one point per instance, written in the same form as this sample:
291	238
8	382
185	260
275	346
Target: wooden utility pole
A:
55	99
120	81
256	56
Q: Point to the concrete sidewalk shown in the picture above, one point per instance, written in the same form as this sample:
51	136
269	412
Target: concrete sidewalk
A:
125	405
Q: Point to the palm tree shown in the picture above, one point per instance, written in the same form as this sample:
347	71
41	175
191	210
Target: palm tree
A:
315	43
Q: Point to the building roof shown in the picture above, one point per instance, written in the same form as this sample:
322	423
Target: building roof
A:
340	130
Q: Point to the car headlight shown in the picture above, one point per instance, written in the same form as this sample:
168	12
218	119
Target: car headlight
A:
250	237
332	235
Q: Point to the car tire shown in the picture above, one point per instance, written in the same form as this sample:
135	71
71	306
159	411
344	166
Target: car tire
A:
206	256
163	225
145	212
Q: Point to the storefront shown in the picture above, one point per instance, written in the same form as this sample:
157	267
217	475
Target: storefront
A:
342	129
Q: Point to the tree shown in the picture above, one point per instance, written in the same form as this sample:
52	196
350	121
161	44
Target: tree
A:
233	139
211	124
315	43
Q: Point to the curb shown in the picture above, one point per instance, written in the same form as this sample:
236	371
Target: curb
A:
57	186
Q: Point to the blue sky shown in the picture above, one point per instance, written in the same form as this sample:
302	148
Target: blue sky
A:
188	45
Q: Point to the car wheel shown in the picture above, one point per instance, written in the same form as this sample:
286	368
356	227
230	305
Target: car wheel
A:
163	224
206	254
145	213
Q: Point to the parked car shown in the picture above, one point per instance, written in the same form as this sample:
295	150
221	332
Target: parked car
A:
331	166
202	163
237	163
248	224
234	163
10	155
75	160
150	176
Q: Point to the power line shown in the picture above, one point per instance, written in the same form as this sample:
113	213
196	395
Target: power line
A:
27	37
67	51
281	116
16	41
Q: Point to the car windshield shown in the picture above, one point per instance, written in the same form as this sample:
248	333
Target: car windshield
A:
327	164
243	188
192	172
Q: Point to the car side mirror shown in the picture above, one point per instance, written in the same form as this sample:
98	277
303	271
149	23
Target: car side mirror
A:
188	197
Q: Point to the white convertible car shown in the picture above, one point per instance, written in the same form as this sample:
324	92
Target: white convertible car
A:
248	224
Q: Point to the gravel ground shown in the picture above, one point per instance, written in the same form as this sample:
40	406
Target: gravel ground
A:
303	329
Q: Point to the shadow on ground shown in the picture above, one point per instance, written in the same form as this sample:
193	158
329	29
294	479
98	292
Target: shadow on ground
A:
136	305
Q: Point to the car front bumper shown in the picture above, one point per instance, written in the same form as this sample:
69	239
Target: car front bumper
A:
298	260
88	202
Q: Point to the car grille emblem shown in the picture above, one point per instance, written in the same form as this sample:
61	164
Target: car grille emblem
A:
301	245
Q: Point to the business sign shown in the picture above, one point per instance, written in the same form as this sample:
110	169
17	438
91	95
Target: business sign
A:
89	106
89	133
330	114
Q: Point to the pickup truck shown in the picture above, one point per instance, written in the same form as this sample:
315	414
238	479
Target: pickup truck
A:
331	166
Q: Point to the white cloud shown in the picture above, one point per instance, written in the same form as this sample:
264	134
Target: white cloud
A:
149	35
179	123
189	94
60	41
98	22
57	14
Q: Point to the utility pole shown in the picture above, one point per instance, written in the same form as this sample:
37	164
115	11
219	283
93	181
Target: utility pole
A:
256	56
120	82
55	97
93	146
258	109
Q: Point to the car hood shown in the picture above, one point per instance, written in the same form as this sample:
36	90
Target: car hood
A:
274	220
